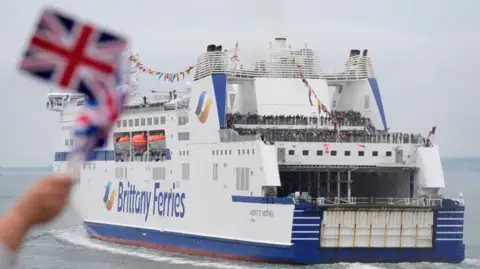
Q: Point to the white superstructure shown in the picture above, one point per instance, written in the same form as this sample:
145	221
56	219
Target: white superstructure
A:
242	166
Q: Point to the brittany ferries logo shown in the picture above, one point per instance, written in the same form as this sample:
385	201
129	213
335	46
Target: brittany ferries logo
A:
109	196
203	107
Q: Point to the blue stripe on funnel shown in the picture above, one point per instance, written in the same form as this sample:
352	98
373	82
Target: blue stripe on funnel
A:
220	88
378	98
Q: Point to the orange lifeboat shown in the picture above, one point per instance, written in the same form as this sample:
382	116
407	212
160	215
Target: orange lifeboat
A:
122	143
139	141
157	141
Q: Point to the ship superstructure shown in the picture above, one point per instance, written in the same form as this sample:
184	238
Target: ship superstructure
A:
242	166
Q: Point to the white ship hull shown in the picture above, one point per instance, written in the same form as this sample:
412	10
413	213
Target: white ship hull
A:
202	191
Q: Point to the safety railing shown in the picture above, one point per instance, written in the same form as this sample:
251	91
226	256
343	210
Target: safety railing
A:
321	201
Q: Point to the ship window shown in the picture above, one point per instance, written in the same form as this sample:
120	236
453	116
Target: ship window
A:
340	89
388	153
124	123
347	152
242	179
185	171
229	152
238	152
66	142
334	103
215	171
213	152
367	102
243	152
130	123
142	121
118	172
248	152
374	153
119	124
216	152
291	152
158	173
182	119
253	151
137	122
305	153
361	153
162	120
333	153
155	120
319	152
182	136
149	121
221	152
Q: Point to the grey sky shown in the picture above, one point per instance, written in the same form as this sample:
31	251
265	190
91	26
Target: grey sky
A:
425	56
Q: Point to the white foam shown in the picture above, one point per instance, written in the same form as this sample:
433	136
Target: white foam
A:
472	262
78	237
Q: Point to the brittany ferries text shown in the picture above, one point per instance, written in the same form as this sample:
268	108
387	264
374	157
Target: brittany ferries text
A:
163	203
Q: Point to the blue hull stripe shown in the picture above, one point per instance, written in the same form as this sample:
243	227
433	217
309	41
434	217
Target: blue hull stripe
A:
305	245
99	155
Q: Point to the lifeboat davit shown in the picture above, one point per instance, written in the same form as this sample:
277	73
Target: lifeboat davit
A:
139	141
122	143
156	142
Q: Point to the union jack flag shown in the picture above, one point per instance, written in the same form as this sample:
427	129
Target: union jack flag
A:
79	57
72	55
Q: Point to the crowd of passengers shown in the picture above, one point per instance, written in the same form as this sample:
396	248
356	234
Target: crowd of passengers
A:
347	118
299	135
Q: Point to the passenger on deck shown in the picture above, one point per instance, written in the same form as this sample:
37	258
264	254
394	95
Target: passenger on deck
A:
347	118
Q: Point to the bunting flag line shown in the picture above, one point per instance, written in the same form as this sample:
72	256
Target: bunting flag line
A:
320	106
59	49
171	77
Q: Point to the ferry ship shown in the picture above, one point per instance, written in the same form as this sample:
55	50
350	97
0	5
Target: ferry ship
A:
241	166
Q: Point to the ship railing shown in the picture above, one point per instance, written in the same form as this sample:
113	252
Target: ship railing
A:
426	202
272	65
324	136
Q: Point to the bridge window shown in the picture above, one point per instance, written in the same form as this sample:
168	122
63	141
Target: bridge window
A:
319	152
185	171
367	102
215	171
291	152
374	153
149	121
162	120
347	152
388	153
242	178
361	153
183	136
305	153
137	122
142	121
130	123
155	120
333	153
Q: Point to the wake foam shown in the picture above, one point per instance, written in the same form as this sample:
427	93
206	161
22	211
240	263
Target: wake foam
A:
78	237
